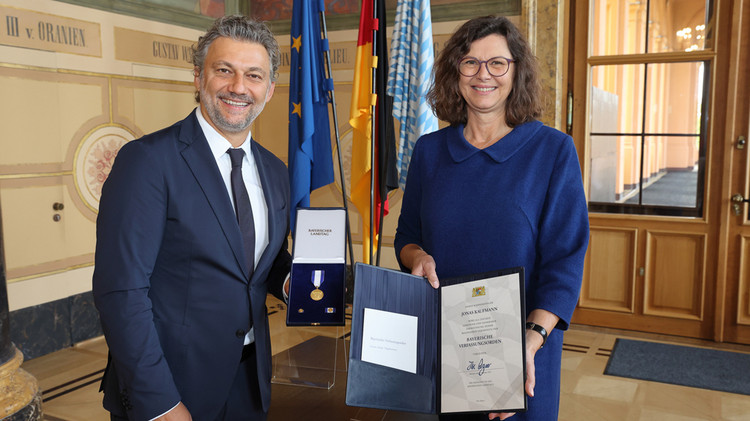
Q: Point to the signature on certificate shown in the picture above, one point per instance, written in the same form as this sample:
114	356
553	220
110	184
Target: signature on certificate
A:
479	367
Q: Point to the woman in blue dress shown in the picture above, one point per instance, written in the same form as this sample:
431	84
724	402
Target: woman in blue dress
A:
498	189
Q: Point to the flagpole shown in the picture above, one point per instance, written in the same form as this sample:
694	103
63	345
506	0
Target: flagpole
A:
372	132
374	115
380	231
338	142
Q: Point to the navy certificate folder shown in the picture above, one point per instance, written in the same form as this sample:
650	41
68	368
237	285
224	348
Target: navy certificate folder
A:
378	386
375	386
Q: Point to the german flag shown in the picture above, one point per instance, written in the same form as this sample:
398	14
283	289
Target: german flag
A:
361	120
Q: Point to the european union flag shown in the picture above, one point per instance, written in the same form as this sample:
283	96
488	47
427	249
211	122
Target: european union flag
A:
310	155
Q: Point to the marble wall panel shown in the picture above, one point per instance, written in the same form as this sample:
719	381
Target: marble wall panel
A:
41	329
48	327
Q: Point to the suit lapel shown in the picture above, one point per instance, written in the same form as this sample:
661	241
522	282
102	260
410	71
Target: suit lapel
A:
199	158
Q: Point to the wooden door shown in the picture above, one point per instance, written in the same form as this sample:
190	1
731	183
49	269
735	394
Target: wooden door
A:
736	323
667	272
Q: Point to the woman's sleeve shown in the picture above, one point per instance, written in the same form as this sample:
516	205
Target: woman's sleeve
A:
409	230
563	238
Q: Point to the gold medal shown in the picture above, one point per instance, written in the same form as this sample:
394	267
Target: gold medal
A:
316	294
317	279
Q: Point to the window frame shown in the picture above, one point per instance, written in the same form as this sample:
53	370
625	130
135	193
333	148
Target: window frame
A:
708	57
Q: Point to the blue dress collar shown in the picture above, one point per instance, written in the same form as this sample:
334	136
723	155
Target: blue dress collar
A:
460	149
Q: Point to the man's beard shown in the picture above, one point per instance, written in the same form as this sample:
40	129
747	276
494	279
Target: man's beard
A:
218	118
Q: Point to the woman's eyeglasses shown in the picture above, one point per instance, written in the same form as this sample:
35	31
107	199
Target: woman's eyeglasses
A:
496	66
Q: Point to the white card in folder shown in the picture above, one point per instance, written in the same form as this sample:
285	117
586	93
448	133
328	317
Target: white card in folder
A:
390	339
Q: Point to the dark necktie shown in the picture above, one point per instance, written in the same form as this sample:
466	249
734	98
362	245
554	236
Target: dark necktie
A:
242	207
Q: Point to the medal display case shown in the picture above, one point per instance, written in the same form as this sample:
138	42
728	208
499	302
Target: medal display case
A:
316	298
317	283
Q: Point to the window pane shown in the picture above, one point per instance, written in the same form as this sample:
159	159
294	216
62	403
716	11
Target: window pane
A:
619	27
670	170
670	173
628	27
677	25
617	98
674	97
615	168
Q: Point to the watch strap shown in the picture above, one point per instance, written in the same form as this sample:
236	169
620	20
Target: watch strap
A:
540	330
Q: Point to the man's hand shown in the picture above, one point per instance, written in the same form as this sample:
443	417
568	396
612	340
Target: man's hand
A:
178	413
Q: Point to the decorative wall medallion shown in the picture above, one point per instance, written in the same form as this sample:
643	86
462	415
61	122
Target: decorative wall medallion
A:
93	161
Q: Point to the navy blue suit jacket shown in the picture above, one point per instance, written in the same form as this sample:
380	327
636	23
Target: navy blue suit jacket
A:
170	280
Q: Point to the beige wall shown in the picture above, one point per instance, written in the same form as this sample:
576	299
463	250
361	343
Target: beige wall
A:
66	112
70	99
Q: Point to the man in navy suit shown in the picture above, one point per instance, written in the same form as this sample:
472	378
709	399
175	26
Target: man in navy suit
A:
180	289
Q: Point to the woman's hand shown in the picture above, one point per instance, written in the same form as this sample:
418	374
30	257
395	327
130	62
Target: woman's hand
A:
501	415
534	342
424	266
420	263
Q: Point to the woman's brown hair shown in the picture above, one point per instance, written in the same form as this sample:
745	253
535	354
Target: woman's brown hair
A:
524	101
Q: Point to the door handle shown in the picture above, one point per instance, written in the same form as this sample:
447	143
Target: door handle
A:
738	200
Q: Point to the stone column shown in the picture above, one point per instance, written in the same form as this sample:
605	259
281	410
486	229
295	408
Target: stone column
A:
20	397
543	22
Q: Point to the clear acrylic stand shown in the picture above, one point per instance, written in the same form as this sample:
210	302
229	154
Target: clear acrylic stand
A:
312	363
369	414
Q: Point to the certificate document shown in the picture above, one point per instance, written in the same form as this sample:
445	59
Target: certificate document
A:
483	345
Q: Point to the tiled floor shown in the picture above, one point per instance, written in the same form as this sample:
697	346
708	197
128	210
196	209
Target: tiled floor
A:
70	381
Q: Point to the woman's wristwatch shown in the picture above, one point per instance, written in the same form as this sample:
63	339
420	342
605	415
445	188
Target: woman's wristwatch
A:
539	329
